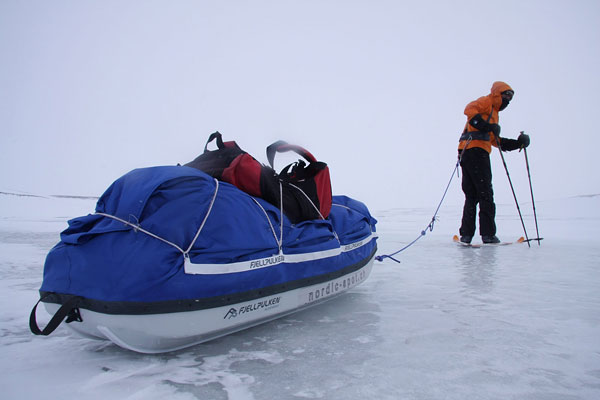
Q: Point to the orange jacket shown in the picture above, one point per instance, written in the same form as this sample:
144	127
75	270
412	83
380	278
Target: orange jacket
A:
485	106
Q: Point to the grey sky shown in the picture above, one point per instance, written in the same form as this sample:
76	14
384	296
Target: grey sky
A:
90	90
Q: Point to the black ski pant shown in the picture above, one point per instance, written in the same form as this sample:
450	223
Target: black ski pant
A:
477	187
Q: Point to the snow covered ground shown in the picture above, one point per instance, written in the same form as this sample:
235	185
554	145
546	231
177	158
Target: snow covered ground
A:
508	322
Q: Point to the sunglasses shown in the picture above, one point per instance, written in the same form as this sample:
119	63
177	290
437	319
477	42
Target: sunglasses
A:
508	94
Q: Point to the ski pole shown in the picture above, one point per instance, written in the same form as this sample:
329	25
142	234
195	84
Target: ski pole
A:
513	191
532	200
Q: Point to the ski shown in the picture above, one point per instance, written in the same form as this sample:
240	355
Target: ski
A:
456	239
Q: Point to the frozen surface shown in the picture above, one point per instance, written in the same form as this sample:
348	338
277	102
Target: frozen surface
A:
448	322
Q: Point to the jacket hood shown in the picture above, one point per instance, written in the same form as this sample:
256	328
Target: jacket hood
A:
496	94
499	87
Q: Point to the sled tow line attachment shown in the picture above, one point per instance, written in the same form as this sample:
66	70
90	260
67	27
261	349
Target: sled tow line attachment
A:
433	219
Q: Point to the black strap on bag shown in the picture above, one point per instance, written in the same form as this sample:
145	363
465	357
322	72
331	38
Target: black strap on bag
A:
281	147
214	162
68	310
217	135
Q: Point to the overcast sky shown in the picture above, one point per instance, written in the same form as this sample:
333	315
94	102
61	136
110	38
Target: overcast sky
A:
92	89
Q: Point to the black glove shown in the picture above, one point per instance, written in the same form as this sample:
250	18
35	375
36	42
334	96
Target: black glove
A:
523	140
495	129
478	123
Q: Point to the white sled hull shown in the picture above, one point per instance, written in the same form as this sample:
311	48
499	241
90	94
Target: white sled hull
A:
158	333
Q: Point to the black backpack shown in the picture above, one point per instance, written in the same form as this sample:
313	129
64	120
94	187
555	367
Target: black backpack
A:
306	187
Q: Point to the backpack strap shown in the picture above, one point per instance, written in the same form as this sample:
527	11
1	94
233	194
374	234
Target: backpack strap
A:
220	143
213	136
281	147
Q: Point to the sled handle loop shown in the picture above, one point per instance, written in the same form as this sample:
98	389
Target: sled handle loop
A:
68	309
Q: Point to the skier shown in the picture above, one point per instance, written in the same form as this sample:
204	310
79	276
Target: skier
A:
480	134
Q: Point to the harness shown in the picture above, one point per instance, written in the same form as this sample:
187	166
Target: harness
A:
476	135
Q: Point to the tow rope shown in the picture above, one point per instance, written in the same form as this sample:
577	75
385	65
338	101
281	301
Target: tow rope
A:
434	218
